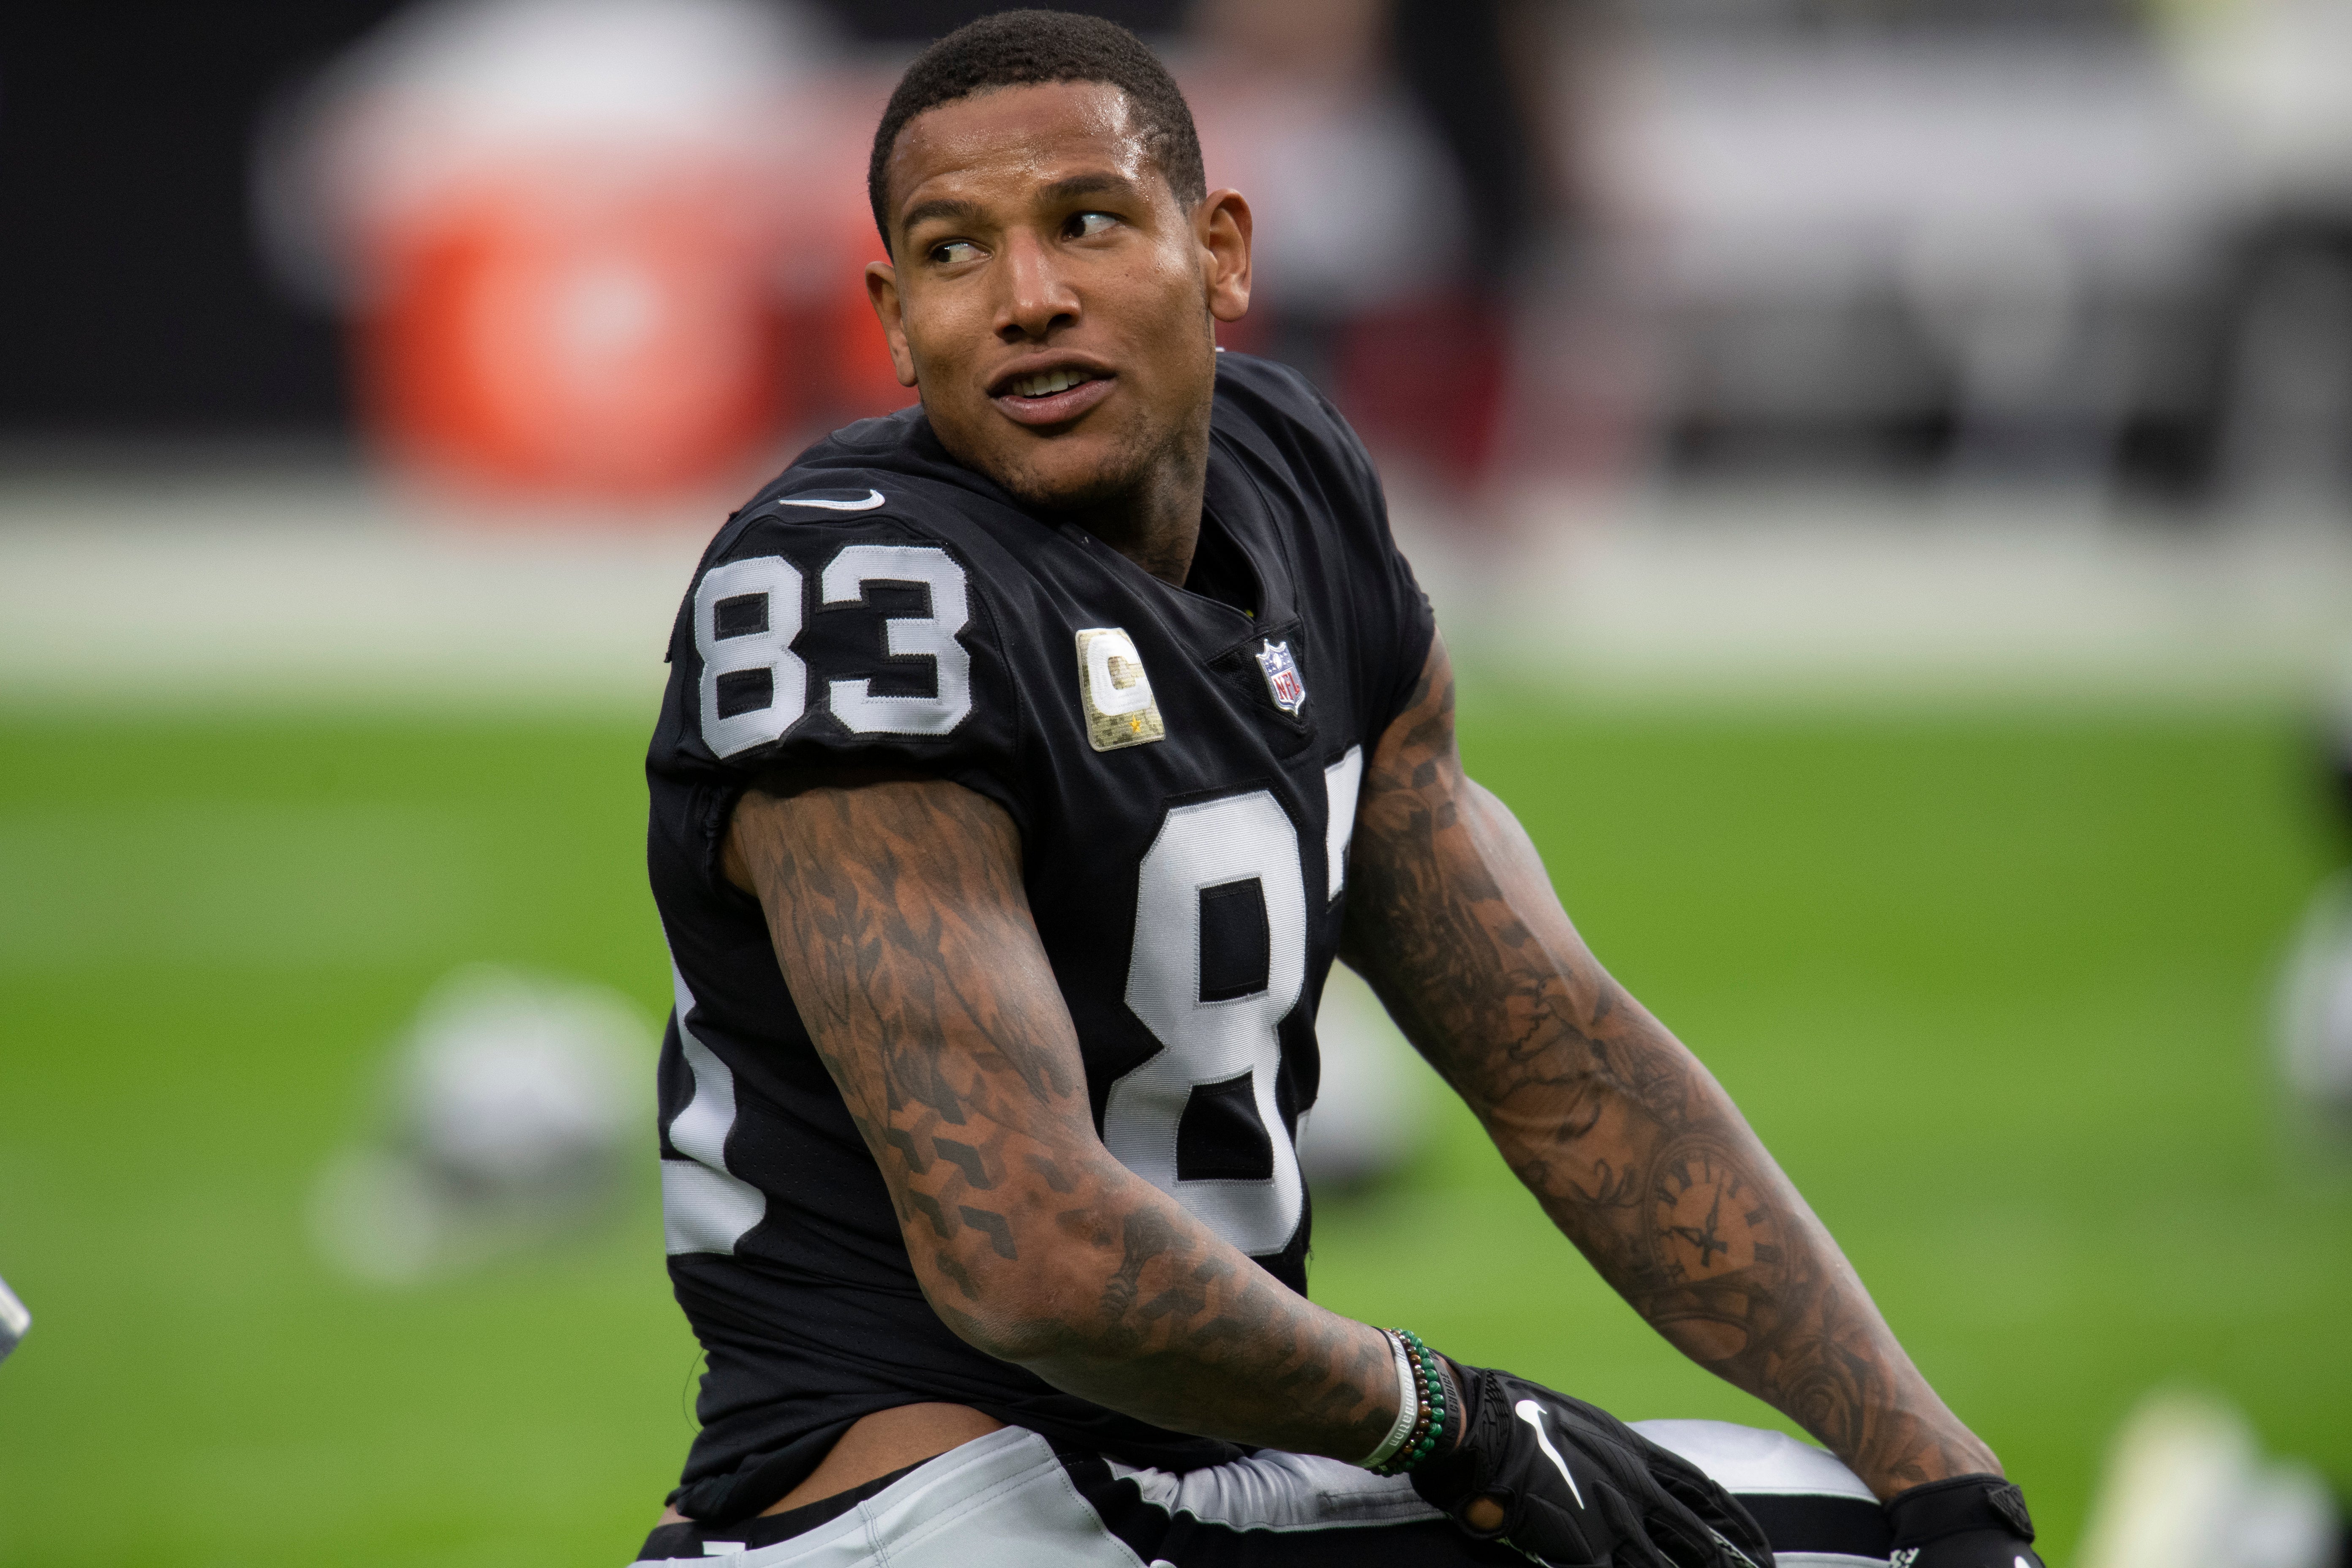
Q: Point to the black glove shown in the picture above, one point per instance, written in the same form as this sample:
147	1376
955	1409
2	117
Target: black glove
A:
1967	1521
1579	1489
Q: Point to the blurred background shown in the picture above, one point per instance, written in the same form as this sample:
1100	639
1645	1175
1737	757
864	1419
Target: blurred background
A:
1886	468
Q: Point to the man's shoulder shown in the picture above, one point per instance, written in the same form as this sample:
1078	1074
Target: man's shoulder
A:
1268	393
1278	414
889	470
858	607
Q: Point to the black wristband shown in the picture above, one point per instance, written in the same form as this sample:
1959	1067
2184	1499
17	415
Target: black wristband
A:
1457	1414
1950	1506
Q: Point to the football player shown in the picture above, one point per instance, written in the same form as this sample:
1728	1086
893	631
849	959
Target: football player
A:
1028	758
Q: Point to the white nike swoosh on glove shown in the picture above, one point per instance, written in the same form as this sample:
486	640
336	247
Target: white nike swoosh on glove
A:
873	498
1529	1411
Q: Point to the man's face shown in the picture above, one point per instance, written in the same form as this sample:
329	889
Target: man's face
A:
1049	296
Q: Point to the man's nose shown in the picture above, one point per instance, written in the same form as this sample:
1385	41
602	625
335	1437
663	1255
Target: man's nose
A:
1037	296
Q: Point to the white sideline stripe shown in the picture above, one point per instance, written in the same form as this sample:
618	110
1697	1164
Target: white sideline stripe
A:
295	605
281	587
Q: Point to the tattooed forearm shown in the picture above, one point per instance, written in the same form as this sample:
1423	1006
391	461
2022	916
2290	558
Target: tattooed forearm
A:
1626	1140
903	931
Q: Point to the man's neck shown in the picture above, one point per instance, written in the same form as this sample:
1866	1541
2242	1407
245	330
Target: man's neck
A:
1159	535
1156	524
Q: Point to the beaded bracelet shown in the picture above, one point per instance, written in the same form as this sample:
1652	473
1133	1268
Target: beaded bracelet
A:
1433	1417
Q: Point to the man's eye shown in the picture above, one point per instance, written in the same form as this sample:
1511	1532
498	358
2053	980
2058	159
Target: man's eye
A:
1088	224
953	251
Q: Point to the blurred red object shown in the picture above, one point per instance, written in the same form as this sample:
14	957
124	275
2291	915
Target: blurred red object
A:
571	239
1428	376
555	330
856	377
828	242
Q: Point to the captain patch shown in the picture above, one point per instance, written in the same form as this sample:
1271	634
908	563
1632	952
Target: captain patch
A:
1116	694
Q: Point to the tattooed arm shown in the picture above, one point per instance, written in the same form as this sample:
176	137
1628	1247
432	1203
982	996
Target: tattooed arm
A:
1629	1143
898	917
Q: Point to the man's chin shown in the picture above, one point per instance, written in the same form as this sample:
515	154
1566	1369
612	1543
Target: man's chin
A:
1073	482
1092	493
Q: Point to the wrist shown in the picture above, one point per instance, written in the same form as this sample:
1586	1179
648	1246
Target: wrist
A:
1429	1409
1408	1408
1977	1504
1451	1376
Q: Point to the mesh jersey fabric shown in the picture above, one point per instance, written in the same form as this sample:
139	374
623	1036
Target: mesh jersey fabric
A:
880	605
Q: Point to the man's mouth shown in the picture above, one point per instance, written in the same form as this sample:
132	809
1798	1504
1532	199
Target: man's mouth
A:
1054	395
1046	383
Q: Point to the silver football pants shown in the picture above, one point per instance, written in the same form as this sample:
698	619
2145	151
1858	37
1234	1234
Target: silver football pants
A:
1004	1500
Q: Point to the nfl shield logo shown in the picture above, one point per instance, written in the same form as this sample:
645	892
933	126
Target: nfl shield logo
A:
1282	679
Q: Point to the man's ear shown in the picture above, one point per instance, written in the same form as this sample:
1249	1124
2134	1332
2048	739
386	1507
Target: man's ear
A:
1222	225
882	293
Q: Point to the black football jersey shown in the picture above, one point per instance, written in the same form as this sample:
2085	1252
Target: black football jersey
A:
1183	765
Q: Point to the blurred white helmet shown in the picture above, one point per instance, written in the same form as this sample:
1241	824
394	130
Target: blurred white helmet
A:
512	1107
1372	1113
2187	1487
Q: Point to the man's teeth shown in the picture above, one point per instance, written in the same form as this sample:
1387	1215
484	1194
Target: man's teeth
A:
1046	383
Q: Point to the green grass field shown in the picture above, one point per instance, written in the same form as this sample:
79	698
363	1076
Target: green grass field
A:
1990	987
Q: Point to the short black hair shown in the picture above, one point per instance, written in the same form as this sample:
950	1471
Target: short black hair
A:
1024	48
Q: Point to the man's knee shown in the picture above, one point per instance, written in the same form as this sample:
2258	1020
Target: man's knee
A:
1815	1511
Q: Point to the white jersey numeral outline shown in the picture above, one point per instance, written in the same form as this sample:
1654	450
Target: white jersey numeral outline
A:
1342	782
854	702
776	582
768	644
706	1207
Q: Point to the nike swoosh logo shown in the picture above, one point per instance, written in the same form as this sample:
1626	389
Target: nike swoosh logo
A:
1529	1411
873	498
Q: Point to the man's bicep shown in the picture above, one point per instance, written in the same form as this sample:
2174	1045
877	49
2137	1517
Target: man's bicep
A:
1403	931
1451	916
904	935
903	931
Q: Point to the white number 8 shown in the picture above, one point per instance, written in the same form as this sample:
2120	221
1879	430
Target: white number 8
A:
1210	1041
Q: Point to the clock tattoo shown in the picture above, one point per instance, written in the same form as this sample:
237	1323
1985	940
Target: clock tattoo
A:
1706	1221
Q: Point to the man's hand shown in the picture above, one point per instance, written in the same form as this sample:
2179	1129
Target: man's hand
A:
1632	1147
1968	1522
1568	1485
